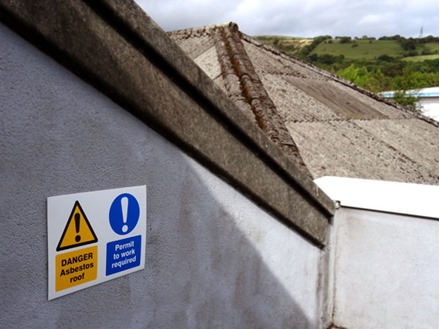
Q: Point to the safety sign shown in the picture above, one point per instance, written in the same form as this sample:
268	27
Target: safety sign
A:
71	236
94	237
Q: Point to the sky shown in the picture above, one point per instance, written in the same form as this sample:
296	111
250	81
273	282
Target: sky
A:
301	18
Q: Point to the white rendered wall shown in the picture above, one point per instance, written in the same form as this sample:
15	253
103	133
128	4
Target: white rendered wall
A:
384	254
385	270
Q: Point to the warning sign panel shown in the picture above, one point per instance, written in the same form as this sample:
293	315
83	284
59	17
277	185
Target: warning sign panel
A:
78	231
94	237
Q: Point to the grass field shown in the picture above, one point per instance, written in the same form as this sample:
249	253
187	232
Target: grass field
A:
432	46
361	49
420	58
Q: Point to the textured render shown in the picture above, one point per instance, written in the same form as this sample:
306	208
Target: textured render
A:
214	259
386	270
337	129
120	51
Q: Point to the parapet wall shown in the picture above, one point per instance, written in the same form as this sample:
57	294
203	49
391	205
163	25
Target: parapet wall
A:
116	48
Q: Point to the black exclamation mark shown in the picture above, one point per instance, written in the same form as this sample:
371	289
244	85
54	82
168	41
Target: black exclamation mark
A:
77	219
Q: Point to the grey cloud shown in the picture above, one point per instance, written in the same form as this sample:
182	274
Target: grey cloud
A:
301	18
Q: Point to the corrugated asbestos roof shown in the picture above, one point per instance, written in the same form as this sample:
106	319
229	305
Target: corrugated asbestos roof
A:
323	123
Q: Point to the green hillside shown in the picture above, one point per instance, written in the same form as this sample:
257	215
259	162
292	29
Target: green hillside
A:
354	49
387	63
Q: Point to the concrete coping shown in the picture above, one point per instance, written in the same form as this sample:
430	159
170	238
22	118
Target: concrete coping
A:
115	47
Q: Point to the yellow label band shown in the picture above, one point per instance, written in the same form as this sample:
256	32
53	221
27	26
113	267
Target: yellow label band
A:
76	267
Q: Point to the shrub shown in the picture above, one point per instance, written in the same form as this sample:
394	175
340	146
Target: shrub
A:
345	40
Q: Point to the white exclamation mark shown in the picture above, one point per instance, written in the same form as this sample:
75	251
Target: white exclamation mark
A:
124	207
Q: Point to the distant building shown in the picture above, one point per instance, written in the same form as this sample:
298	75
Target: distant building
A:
427	100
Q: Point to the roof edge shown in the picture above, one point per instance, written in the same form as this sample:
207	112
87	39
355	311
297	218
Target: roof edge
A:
211	27
385	196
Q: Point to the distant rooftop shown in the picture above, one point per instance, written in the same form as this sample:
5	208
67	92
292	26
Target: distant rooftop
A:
424	92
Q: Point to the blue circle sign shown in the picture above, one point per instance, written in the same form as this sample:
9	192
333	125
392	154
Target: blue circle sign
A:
124	214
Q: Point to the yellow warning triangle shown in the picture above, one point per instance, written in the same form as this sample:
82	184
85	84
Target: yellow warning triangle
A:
78	231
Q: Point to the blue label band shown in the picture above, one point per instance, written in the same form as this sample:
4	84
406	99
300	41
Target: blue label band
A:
123	254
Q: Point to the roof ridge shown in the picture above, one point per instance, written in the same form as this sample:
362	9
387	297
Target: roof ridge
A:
234	61
201	30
